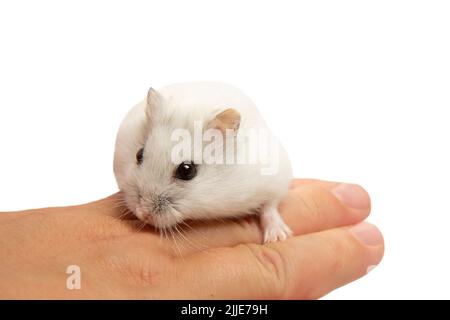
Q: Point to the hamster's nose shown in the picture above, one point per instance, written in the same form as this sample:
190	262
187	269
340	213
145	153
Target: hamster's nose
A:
160	203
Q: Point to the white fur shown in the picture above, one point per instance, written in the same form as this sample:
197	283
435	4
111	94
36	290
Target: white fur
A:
218	191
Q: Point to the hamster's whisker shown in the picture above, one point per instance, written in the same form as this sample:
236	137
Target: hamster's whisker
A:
176	243
158	229
165	233
189	241
141	226
121	199
117	203
122	214
196	246
197	232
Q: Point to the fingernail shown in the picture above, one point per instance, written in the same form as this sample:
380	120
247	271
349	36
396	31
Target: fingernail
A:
367	233
352	196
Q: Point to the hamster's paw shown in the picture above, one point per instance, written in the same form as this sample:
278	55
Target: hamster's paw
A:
273	226
276	232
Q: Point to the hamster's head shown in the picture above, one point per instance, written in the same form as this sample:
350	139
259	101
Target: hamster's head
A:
160	179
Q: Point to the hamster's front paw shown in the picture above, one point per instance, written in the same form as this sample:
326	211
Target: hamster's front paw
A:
278	232
274	228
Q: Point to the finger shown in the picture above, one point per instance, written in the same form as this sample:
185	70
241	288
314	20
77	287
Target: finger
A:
302	267
307	208
321	183
320	206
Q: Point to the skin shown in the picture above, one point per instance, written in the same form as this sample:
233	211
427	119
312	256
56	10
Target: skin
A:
219	259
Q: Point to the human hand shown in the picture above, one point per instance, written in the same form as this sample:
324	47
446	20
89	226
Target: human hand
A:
120	258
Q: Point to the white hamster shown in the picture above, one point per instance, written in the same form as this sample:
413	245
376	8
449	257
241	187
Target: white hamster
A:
201	150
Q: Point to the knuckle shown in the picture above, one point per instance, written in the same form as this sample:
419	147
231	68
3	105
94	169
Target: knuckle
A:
140	271
312	199
273	269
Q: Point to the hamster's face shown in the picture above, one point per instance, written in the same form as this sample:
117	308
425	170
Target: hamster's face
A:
156	187
159	190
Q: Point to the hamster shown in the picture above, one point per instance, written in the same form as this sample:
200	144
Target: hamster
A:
197	151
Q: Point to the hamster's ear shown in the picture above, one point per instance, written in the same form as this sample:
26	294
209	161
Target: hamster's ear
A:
155	104
227	119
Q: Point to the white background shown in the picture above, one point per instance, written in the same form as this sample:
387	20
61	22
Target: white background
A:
358	91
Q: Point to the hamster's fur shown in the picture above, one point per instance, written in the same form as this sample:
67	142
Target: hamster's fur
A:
152	192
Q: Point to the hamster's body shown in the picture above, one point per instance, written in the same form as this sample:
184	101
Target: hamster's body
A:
218	190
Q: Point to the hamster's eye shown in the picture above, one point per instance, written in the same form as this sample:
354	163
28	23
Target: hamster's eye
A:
140	156
186	171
